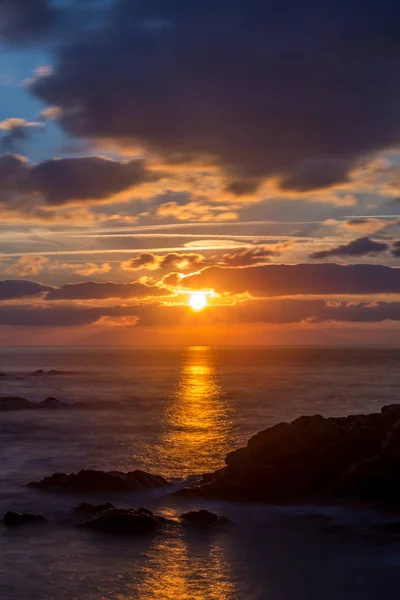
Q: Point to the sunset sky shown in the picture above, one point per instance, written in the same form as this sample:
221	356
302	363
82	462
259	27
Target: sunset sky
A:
153	149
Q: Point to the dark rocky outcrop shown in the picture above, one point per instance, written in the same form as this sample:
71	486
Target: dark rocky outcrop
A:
354	458
16	403
14	519
204	519
130	521
37	373
90	480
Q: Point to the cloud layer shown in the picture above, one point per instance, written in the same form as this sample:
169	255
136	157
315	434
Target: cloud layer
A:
235	84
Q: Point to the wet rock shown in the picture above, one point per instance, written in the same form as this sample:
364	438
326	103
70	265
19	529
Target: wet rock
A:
204	519
90	480
14	519
126	521
354	458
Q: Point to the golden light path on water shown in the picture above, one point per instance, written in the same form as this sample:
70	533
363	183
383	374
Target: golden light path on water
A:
199	429
177	569
198	433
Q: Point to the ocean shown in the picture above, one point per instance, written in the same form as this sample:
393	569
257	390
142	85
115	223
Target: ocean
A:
178	412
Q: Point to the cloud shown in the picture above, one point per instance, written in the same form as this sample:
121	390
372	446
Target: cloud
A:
12	289
238	85
61	181
51	113
146	260
199	211
184	261
15	131
28	265
88	269
249	256
22	21
366	225
396	249
91	290
288	280
359	247
276	312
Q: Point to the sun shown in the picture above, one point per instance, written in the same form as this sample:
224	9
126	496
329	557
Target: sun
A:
198	301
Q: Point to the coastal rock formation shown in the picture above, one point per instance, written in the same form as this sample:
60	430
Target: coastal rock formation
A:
204	519
16	403
354	458
90	480
118	520
14	519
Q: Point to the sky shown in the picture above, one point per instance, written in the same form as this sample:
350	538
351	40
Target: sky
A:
247	149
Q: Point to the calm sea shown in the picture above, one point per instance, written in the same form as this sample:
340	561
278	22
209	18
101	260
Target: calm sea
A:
177	412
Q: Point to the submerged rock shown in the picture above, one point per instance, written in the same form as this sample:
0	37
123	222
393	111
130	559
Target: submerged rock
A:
354	458
90	480
204	519
13	519
116	520
16	403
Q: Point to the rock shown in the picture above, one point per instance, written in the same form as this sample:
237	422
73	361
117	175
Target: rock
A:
90	480
127	521
354	458
37	373
17	403
14	403
53	372
13	519
53	403
204	519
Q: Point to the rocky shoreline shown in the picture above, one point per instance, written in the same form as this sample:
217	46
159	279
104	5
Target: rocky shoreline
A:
353	459
339	460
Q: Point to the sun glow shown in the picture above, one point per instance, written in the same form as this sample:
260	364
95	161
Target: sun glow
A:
198	301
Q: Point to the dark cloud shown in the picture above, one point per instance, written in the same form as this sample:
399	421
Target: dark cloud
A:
91	290
255	311
248	256
12	289
60	181
22	21
263	89
145	260
287	280
359	247
396	249
186	261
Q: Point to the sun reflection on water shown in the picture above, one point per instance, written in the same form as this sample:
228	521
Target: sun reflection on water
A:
198	425
177	569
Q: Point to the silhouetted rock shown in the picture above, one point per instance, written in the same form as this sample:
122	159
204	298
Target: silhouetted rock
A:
54	372
90	480
353	458
37	373
204	519
13	519
130	521
17	403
